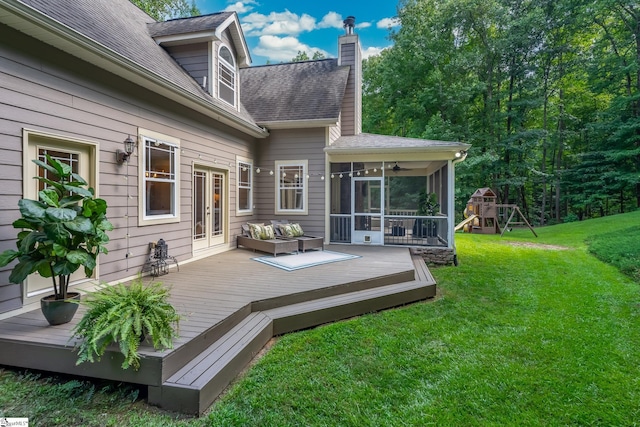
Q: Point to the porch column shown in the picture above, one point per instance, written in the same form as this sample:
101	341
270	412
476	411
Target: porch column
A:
451	203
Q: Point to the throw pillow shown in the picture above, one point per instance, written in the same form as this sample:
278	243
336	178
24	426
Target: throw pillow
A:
259	232
286	230
297	230
269	233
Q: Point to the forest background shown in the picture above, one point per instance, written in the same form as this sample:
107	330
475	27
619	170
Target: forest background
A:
547	91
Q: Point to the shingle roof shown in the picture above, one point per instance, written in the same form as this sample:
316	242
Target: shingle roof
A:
122	27
309	90
188	25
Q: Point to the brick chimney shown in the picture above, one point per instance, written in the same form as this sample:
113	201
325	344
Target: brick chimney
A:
350	53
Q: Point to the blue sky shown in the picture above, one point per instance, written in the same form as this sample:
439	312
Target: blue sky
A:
276	30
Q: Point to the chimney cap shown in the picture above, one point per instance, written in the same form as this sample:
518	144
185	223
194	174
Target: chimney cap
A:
349	24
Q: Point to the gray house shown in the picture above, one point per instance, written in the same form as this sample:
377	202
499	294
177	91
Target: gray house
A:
218	143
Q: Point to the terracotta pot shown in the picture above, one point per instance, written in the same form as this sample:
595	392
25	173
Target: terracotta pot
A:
58	311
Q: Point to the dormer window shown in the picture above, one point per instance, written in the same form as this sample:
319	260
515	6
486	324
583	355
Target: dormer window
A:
226	76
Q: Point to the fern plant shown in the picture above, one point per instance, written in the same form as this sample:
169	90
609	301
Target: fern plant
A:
125	315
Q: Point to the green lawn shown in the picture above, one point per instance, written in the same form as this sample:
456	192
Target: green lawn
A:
522	333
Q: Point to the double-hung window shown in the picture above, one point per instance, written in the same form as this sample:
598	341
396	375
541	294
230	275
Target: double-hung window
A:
160	181
245	186
291	187
226	76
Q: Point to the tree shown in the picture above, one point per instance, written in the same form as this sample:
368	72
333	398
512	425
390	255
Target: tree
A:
303	56
161	10
547	92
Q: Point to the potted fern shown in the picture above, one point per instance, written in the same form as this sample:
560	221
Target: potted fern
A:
63	230
126	315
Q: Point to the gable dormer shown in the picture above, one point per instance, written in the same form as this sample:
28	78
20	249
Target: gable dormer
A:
210	48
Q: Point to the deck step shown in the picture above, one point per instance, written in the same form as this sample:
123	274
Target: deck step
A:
193	388
422	272
312	313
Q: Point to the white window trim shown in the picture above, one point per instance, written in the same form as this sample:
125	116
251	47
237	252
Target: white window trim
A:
143	219
249	163
232	69
305	188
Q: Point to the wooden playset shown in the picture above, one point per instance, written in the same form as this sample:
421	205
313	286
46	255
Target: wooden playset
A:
482	214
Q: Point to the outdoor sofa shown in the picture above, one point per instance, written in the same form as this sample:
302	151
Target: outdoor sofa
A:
273	246
305	241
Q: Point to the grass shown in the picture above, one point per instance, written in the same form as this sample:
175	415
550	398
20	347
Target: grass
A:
619	248
523	333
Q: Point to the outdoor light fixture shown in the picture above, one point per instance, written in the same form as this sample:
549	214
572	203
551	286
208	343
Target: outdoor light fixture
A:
129	148
460	154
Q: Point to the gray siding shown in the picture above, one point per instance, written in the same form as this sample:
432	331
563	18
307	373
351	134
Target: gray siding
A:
194	59
49	91
297	144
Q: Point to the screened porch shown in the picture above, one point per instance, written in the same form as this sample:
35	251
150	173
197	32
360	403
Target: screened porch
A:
390	203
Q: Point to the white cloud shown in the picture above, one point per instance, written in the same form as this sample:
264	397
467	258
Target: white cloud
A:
363	25
240	7
388	23
288	23
372	51
331	20
283	49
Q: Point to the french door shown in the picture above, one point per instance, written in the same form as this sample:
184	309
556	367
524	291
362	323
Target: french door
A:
209	207
367	212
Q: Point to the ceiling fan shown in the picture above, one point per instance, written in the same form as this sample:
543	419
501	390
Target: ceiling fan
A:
397	168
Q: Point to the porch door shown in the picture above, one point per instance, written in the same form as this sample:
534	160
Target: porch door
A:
209	207
79	158
367	212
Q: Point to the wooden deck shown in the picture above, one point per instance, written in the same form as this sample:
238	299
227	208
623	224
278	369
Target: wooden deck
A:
231	306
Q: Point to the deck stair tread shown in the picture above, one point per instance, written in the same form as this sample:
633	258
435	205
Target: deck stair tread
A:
422	271
344	299
193	388
195	373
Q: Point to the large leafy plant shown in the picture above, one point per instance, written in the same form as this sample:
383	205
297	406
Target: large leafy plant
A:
125	315
61	231
427	204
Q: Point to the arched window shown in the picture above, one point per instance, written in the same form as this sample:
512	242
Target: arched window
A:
226	76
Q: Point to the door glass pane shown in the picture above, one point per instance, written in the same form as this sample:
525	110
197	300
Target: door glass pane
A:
71	159
217	219
199	205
